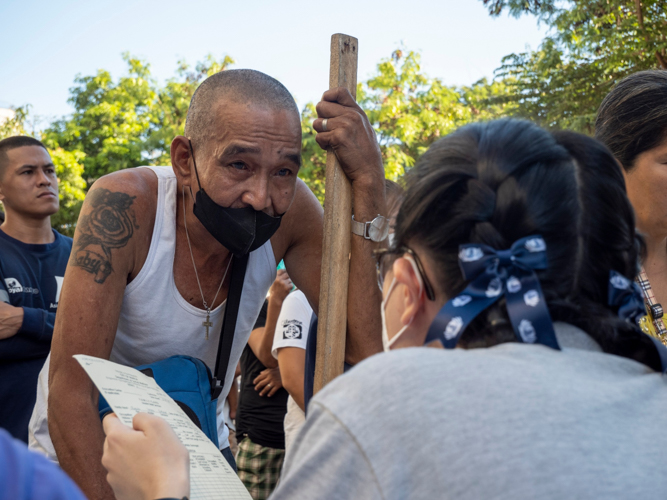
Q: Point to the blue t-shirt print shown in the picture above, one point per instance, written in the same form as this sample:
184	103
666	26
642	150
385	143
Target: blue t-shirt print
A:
14	286
31	277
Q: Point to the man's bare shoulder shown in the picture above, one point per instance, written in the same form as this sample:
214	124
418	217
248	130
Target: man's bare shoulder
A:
138	183
302	220
116	224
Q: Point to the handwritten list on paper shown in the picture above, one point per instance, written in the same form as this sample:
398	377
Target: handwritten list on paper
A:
129	392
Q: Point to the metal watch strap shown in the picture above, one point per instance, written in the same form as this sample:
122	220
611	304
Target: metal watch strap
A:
363	229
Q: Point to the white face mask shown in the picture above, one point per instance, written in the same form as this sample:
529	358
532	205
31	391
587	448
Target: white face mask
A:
386	343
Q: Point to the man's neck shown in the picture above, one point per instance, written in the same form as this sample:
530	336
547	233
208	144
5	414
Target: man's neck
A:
33	231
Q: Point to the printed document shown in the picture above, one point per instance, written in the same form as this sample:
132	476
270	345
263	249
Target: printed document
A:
128	392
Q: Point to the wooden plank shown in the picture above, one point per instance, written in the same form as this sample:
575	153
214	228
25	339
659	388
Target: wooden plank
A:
332	317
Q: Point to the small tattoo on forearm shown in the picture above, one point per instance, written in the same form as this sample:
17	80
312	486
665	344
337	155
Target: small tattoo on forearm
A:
109	225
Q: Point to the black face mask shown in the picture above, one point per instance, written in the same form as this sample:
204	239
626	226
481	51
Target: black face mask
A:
240	230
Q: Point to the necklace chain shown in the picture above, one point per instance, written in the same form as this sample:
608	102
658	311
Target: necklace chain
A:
187	236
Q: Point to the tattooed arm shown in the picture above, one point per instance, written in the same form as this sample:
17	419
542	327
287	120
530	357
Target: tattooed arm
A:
110	245
108	225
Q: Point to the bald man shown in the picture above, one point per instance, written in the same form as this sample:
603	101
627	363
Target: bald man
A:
148	266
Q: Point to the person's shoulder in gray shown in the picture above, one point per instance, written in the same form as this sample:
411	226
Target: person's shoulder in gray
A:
518	247
512	421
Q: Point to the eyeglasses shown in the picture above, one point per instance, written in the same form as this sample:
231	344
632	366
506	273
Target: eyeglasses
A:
385	258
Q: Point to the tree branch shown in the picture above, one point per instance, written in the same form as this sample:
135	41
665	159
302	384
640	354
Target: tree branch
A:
640	21
661	59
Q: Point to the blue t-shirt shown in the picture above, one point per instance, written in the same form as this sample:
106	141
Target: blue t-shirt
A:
31	277
25	475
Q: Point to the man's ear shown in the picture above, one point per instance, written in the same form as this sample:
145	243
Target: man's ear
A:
413	293
181	161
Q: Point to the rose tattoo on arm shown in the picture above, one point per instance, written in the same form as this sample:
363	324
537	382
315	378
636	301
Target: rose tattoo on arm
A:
109	225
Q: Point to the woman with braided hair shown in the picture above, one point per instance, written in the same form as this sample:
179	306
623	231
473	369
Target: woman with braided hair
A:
518	247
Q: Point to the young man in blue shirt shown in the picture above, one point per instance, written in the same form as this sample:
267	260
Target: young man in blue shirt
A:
33	258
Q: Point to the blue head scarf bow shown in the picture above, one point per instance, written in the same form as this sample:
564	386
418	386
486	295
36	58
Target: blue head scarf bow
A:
492	274
626	297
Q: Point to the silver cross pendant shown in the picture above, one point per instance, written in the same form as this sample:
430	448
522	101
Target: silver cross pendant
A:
207	324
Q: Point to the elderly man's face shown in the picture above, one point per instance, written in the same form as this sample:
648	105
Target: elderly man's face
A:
251	157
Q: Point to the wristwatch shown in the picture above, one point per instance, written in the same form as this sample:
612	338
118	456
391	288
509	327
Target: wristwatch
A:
375	230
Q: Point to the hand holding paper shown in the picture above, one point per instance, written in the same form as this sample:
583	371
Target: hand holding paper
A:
146	462
149	438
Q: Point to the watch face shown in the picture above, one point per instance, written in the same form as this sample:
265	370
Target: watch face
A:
379	229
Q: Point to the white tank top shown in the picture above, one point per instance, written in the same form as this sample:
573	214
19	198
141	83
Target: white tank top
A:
157	322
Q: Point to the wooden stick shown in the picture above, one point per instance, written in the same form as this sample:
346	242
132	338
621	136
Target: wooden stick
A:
332	314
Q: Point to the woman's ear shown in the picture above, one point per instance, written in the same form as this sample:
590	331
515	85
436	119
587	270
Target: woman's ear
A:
413	295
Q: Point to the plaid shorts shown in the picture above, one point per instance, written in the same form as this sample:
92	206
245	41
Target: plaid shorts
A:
259	468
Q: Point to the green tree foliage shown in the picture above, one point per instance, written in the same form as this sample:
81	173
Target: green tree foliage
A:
128	122
15	125
591	45
409	111
118	124
171	105
518	7
111	120
313	157
71	186
131	121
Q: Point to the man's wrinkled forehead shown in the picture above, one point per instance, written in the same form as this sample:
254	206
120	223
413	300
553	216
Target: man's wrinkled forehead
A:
238	148
236	128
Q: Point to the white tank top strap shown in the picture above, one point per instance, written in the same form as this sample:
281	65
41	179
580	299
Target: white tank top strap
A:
164	228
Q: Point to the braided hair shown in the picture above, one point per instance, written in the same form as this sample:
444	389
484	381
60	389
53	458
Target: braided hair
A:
496	182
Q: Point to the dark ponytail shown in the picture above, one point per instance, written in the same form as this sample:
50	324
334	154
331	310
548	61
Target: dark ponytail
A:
494	183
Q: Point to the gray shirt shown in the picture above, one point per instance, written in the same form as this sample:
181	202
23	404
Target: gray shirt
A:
510	422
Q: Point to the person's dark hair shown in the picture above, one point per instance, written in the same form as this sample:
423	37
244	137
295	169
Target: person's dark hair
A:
234	85
394	195
494	183
16	141
632	118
